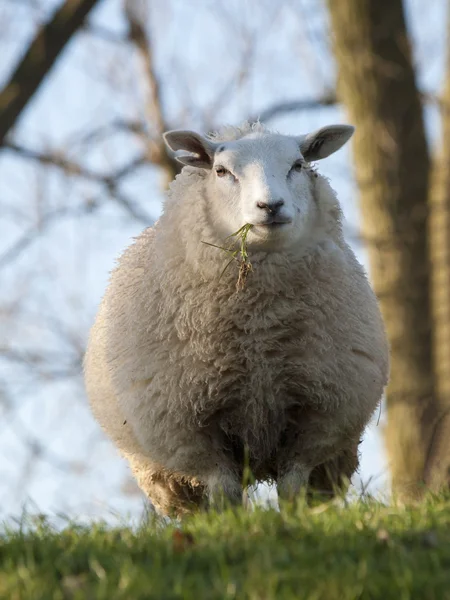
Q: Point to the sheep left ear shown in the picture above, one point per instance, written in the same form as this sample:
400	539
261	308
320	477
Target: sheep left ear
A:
323	142
202	150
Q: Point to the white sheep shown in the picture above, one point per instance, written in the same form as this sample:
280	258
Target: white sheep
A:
191	378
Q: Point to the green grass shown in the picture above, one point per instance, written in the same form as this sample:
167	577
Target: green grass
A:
365	550
239	254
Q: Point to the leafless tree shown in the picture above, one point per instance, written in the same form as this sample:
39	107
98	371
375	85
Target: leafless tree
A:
404	195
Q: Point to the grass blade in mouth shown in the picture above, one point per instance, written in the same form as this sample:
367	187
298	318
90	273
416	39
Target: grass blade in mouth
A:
240	254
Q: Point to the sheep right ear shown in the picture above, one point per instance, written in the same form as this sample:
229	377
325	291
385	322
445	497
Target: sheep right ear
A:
202	150
325	141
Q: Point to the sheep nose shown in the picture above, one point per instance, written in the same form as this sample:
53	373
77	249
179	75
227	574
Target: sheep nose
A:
271	207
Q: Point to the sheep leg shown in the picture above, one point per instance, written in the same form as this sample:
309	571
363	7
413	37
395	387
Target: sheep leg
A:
310	454
333	476
176	495
202	457
324	480
293	481
324	468
197	456
224	489
170	494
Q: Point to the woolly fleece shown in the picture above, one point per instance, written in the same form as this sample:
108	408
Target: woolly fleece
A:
188	376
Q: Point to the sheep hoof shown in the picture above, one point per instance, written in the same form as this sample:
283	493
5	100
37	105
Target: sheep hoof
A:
224	492
293	483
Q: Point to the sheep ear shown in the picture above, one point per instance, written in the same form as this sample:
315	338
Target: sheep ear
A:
325	141
201	149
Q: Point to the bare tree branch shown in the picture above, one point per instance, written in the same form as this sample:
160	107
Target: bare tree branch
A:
104	131
51	159
39	59
328	99
73	168
135	14
105	34
110	181
32	234
37	449
138	36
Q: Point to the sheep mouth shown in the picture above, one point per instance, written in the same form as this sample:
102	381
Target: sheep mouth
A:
274	223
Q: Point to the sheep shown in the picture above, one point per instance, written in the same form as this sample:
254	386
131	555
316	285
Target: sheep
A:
195	381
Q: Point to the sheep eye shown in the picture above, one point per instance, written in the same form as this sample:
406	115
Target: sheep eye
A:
221	171
297	166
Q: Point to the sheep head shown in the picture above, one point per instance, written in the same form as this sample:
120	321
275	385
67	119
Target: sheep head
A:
262	178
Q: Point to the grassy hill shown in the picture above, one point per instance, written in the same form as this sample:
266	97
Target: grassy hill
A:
365	550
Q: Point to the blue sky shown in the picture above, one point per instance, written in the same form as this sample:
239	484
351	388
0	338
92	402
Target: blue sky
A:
48	296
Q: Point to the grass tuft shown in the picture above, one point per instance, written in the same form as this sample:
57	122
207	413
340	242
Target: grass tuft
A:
239	254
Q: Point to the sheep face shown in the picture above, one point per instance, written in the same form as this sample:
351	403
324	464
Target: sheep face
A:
262	179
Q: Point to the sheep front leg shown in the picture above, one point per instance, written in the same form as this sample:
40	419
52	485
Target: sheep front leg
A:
205	461
314	439
293	481
224	489
197	455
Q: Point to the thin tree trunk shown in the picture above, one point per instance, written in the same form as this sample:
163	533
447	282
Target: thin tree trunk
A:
135	13
376	83
39	59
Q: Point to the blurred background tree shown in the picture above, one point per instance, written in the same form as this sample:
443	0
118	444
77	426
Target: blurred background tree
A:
405	219
87	88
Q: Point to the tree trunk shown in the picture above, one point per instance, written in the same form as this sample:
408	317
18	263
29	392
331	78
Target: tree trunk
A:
376	83
437	472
